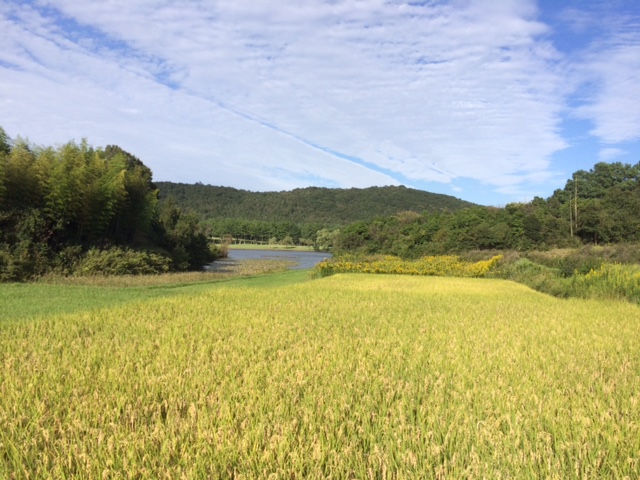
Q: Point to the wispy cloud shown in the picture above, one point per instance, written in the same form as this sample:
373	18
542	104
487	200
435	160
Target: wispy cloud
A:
608	70
607	154
266	95
614	105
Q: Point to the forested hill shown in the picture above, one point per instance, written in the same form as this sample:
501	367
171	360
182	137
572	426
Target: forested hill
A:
327	206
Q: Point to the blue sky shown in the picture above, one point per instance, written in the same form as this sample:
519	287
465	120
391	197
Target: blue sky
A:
492	101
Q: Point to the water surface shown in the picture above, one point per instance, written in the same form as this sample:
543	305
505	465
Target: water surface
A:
303	259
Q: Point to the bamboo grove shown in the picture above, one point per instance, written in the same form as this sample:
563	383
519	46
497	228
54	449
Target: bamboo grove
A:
75	207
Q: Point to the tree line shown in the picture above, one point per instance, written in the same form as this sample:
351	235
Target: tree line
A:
303	216
598	206
58	204
594	207
228	230
325	206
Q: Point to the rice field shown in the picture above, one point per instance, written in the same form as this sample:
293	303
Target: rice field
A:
349	376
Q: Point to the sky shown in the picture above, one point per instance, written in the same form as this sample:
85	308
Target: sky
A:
491	101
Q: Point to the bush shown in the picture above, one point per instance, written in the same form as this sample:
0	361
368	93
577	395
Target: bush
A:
288	240
607	281
625	253
588	258
67	260
6	261
536	276
23	261
219	250
118	261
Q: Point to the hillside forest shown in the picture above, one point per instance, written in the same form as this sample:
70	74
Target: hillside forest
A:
599	206
305	216
74	209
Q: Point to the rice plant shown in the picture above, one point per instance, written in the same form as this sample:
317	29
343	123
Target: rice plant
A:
351	376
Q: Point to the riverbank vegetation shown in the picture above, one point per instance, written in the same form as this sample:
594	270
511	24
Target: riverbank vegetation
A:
350	376
252	246
436	266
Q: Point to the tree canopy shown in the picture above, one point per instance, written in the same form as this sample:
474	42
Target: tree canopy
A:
327	206
596	206
601	205
300	214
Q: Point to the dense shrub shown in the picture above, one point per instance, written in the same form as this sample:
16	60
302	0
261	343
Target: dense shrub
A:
5	264
220	250
23	260
537	276
578	274
118	261
67	260
587	258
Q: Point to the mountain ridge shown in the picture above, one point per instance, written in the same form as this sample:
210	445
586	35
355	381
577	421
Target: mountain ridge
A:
331	206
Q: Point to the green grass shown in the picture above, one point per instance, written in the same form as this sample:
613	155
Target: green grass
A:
29	300
350	376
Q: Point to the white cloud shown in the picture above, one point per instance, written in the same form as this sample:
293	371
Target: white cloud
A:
278	95
609	72
607	154
614	107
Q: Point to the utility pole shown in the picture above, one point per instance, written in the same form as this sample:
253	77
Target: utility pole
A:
570	216
575	199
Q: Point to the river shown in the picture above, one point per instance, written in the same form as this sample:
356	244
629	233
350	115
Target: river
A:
303	259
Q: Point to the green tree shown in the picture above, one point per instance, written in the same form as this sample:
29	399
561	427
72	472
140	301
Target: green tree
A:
325	239
21	184
5	142
288	240
105	195
5	151
65	191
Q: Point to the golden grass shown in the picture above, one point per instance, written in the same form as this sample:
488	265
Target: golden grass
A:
351	376
439	266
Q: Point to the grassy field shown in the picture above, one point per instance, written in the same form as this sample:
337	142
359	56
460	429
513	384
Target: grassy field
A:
55	295
349	376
